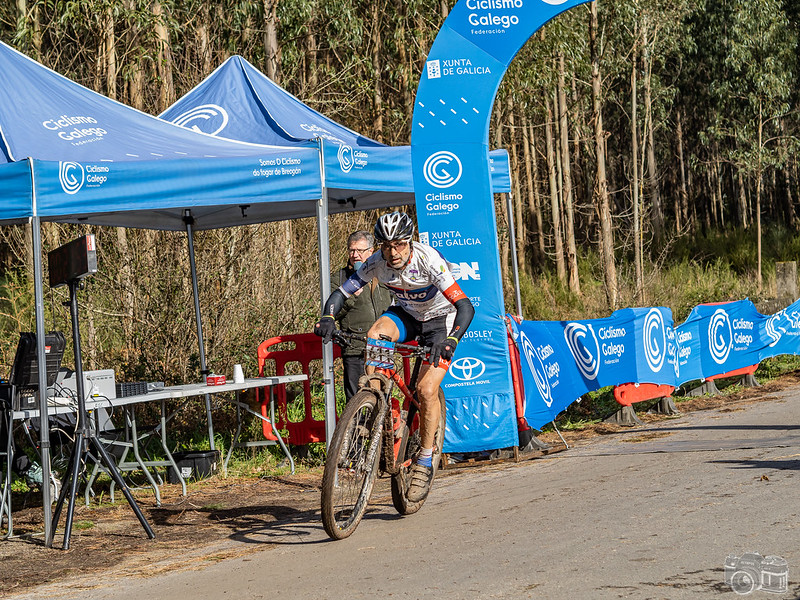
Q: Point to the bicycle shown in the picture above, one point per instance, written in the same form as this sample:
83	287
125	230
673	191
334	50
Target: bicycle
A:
376	431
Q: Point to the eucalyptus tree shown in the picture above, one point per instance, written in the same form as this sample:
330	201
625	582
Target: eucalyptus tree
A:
760	55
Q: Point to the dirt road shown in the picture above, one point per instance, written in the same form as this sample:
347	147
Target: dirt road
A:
649	513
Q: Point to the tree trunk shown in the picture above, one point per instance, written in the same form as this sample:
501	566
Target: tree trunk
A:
271	49
652	171
125	277
135	82
403	59
377	98
637	231
554	203
22	15
759	177
718	174
601	184
519	221
203	42
532	180
312	78
166	93
569	229
109	45
684	209
742	199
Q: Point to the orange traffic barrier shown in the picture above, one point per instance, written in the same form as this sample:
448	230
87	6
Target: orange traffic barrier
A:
631	393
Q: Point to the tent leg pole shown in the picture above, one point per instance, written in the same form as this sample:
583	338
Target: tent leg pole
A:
323	239
189	220
44	427
514	258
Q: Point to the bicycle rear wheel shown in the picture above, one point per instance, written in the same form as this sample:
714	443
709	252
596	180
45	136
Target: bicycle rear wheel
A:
352	464
409	446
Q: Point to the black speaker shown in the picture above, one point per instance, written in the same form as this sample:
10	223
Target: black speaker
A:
25	372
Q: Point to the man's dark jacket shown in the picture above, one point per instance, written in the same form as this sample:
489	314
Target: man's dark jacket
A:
360	312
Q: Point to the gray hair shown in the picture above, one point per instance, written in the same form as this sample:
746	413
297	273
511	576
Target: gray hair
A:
361	235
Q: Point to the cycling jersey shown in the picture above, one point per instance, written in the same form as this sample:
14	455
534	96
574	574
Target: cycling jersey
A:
424	287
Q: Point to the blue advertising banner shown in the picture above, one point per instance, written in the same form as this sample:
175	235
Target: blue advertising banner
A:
75	188
455	203
720	338
562	360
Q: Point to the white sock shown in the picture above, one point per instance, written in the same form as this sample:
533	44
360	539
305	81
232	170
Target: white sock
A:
425	457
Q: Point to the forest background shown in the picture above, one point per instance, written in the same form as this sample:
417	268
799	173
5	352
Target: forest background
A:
653	149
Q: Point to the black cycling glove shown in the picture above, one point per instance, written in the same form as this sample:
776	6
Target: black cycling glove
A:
325	328
443	350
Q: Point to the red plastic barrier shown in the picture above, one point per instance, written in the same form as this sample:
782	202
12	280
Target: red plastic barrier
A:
307	347
736	372
630	393
516	379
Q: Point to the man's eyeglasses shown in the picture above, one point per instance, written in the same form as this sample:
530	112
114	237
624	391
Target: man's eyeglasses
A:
359	250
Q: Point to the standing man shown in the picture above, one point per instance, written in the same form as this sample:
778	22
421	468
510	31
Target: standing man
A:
361	309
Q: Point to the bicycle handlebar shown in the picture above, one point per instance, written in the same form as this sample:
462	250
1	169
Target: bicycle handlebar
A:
412	350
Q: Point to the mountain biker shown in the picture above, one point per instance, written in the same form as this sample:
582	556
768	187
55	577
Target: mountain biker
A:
430	307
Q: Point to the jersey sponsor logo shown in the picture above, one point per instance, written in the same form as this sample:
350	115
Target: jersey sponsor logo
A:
454	293
418	295
353	284
206	118
71	176
442	169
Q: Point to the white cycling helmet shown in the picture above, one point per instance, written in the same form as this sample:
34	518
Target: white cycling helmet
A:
394	226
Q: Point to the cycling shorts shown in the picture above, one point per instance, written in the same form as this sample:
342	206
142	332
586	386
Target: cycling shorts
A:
426	333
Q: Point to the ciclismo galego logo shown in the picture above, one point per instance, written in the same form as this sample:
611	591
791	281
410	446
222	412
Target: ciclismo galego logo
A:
655	340
538	371
774	329
585	349
206	118
442	169
345	156
467	368
71	176
720	336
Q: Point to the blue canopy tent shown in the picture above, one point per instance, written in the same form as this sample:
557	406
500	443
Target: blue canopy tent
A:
239	102
71	155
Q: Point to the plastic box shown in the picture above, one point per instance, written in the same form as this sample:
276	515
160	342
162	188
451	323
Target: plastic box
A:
193	465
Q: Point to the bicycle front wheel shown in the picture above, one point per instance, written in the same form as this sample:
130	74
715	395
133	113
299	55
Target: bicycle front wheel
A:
351	465
409	446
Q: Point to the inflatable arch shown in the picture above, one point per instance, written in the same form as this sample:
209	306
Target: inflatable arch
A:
455	205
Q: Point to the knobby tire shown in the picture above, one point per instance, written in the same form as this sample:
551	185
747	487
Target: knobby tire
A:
352	464
409	446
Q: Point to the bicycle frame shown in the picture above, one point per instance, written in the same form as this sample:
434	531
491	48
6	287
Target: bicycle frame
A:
394	417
